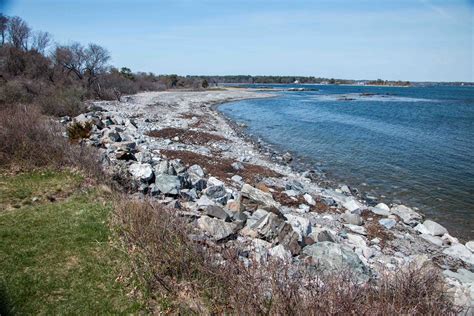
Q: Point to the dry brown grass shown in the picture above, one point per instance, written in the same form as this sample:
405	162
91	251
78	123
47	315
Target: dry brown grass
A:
187	136
29	140
221	167
197	277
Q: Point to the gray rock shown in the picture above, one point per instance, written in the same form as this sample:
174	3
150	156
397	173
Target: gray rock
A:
432	239
128	146
383	206
332	257
204	201
178	166
352	205
388	223
259	196
407	215
422	229
216	192
462	275
214	181
280	252
379	211
326	235
345	189
164	167
291	193
470	245
309	199
217	228
295	186
287	157
112	137
236	179
142	172
189	194
153	190
217	212
356	229
168	184
434	228
238	166
460	251
353	219
268	226
300	225
195	171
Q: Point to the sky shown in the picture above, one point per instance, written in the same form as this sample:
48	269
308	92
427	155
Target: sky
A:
416	40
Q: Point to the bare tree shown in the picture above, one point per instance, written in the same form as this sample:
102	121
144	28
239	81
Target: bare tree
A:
3	27
18	33
71	57
96	59
41	41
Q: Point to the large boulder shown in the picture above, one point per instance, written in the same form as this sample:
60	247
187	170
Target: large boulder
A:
331	257
352	205
217	228
460	251
142	172
407	215
434	228
168	184
300	225
217	212
256	195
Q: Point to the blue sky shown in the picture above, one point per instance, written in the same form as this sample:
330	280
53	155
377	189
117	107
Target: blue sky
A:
422	40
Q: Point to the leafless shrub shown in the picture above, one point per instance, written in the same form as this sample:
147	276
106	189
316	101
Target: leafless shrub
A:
29	140
61	102
201	278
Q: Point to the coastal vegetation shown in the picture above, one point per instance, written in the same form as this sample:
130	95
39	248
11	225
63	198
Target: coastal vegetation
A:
78	237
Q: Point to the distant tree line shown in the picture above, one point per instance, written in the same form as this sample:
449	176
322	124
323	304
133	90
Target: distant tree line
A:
248	79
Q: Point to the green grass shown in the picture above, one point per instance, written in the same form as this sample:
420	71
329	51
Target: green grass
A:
60	257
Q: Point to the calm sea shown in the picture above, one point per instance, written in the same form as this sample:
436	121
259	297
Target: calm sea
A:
412	145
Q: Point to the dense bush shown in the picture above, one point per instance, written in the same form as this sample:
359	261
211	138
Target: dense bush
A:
29	140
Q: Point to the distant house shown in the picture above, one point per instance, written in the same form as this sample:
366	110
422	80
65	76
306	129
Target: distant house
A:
296	82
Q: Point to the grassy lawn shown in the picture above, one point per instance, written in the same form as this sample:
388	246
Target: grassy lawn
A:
57	252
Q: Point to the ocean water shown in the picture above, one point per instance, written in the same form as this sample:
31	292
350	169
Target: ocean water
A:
412	145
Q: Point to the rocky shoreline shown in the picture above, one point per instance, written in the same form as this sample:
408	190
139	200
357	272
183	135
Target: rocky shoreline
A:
176	148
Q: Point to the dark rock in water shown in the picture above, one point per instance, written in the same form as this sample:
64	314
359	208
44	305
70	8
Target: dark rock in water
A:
217	212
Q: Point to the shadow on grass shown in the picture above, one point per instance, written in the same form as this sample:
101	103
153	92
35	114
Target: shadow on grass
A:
5	303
